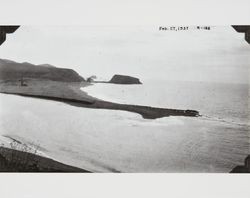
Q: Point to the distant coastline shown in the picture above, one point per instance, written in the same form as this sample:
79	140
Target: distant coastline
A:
40	83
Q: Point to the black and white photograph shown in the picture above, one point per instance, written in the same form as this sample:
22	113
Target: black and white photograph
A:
125	99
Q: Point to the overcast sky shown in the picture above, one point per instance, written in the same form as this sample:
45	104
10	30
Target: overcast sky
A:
218	55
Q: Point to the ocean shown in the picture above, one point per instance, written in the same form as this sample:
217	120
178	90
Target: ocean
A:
119	141
225	101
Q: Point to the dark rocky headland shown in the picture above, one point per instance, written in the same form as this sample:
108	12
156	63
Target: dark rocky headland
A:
119	79
122	79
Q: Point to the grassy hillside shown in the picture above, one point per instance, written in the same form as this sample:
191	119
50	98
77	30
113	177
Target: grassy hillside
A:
19	161
10	70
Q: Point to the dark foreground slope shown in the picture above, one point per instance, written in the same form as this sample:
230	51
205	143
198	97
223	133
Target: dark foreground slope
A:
18	161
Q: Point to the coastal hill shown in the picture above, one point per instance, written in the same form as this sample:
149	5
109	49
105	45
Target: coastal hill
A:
45	81
10	70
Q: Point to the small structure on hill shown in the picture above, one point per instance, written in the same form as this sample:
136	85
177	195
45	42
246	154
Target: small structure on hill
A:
23	84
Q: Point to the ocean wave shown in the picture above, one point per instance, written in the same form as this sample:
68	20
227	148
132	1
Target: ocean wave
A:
223	120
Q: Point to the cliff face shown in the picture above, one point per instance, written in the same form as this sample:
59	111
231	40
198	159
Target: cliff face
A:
121	79
10	70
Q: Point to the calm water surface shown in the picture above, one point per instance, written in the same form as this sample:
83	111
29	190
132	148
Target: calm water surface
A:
109	140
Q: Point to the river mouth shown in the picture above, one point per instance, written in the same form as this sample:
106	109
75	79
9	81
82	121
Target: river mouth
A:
72	94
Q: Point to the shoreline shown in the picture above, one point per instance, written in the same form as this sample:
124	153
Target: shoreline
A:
72	94
146	112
